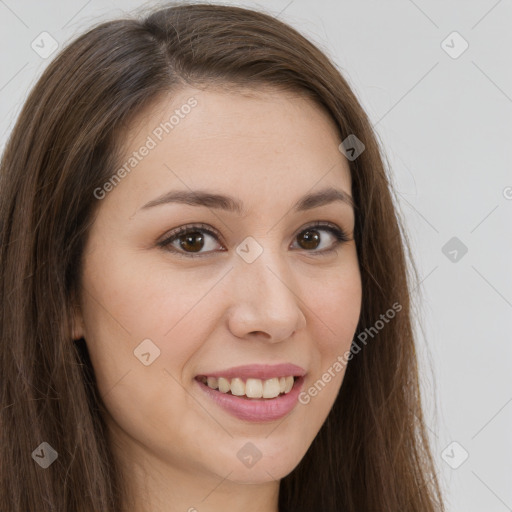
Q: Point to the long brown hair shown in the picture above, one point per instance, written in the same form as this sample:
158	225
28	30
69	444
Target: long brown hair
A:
372	453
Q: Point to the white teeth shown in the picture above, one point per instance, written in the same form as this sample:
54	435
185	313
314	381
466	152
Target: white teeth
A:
212	382
252	388
223	385
271	388
237	387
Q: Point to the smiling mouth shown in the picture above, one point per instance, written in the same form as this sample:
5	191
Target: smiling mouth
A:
255	389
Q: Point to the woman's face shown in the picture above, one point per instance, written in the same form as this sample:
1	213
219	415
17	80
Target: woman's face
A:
257	287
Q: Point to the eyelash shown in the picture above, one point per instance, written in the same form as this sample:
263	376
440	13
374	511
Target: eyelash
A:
338	233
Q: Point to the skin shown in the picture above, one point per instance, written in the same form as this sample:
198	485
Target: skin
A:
176	447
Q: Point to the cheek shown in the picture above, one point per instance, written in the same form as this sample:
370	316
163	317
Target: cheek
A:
336	307
142	298
136	300
335	310
130	311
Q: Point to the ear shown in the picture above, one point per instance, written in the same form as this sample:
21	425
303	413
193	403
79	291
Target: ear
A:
78	330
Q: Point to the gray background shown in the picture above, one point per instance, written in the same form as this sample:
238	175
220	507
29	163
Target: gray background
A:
445	125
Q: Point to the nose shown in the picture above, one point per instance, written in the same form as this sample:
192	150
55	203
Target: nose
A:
265	300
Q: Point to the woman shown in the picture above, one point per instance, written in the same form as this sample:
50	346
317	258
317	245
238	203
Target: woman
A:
204	282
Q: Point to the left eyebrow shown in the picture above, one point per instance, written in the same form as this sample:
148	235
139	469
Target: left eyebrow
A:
232	204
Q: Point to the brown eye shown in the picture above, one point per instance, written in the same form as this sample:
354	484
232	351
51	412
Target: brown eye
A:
192	241
311	239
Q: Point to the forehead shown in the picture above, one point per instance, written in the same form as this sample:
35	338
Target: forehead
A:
242	142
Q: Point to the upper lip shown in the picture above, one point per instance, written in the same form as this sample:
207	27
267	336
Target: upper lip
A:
258	371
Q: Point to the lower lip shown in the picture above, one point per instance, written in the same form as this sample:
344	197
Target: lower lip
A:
256	410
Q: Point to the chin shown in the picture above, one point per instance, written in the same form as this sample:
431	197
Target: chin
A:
253	465
260	473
